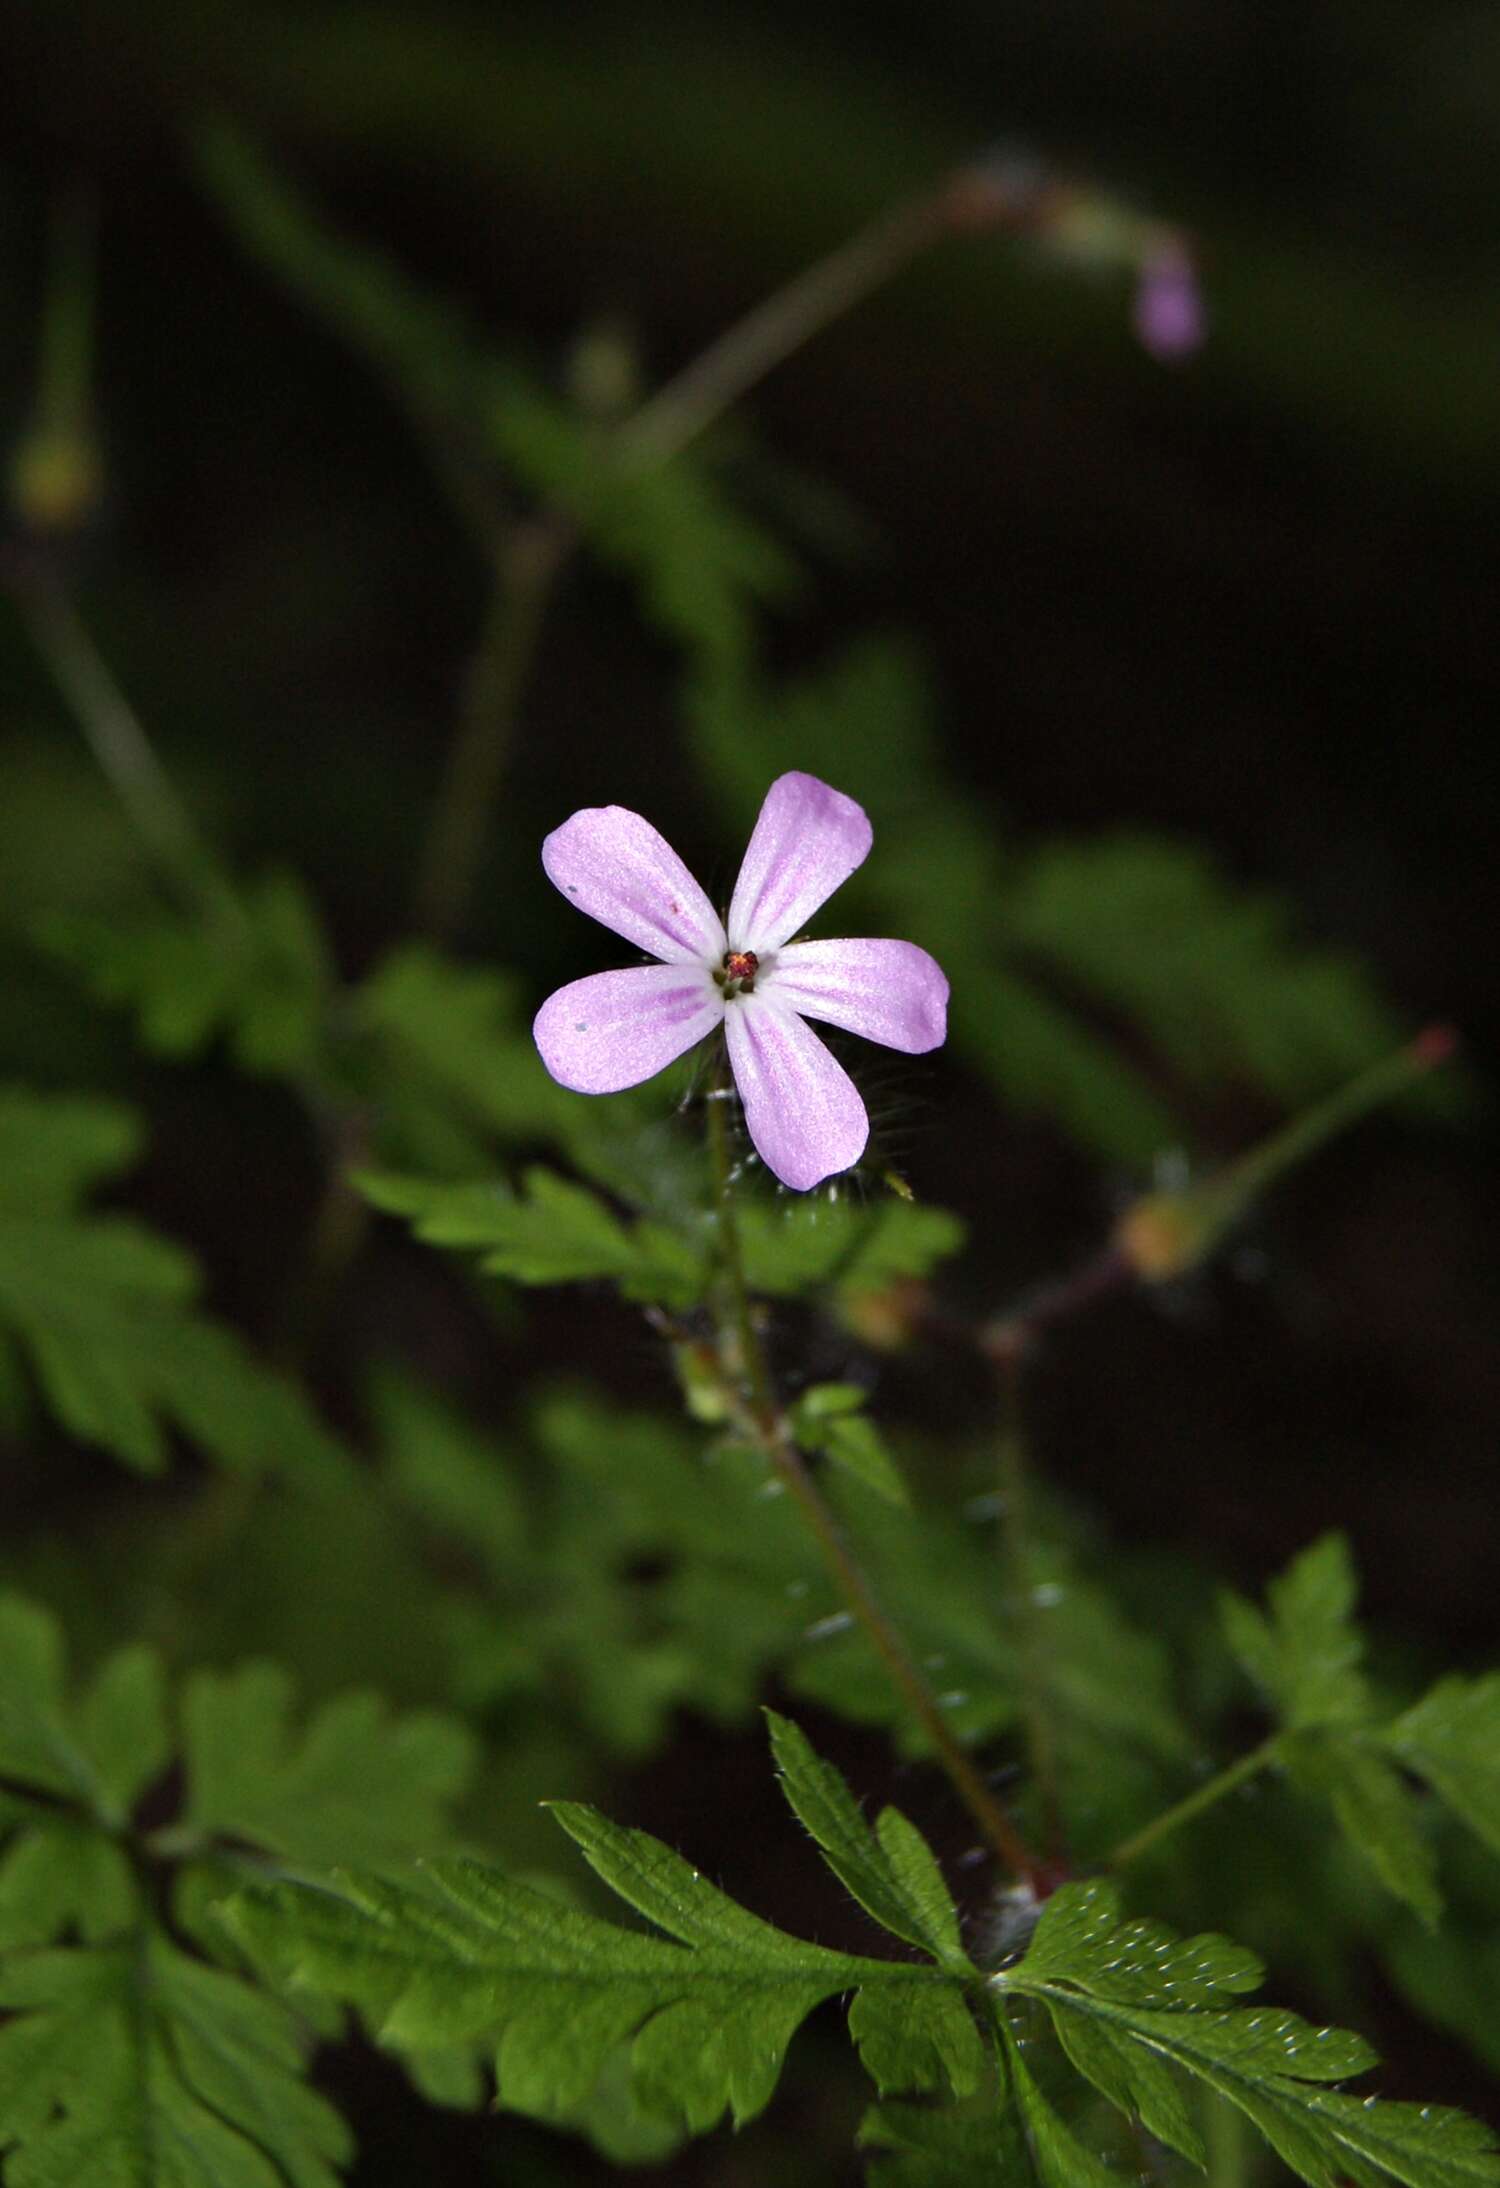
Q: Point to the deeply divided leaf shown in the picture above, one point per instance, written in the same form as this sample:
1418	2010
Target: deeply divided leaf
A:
707	2010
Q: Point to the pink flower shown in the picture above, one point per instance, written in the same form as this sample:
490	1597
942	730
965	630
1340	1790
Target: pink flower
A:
614	1029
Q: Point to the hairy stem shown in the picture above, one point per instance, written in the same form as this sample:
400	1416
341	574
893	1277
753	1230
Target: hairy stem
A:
527	562
700	394
1203	1797
764	1419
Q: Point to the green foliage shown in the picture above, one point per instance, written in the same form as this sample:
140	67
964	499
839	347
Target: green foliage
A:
565	1601
557	1231
554	1232
701	567
1451	1737
829	1418
133	2063
122	2057
555	1992
454	1060
356	1784
105	1311
707	2009
1337	1739
1134	2004
1305	1652
890	1870
794	1246
262	981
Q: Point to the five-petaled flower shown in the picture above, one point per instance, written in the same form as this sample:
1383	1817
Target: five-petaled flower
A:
802	1110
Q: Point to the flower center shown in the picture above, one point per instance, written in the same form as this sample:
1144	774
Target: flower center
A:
737	974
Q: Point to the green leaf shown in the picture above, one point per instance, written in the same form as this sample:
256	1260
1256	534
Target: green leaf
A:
1156	2001
59	1873
554	1233
1134	2080
978	2146
102	1750
1305	1656
104	1310
356	1784
456	1063
132	2063
891	1872
568	1582
1218	977
1451	1737
1082	1939
1374	1810
827	1418
265	986
702	568
54	1148
791	1247
707	2010
1058	2158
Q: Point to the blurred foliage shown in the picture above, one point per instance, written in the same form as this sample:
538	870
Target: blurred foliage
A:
545	1581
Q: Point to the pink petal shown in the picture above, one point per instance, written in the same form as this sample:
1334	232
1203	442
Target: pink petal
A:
802	1109
890	992
807	841
616	1028
616	867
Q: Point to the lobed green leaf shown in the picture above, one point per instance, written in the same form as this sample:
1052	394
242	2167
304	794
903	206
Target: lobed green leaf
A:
1451	1737
133	2064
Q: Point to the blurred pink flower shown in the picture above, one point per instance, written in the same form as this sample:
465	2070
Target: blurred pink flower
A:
1168	315
614	1029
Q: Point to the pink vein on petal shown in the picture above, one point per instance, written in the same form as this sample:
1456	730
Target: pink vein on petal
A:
615	1029
809	839
616	867
802	1110
886	991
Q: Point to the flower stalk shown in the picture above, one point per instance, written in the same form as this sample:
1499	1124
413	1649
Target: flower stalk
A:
125	754
526	564
1194	1804
763	1419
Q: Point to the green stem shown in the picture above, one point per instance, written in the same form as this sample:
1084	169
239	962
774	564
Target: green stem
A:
527	563
338	1230
764	1419
124	752
700	394
1212	1790
68	315
1015	1536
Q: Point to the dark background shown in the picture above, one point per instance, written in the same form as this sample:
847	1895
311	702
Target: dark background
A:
1252	600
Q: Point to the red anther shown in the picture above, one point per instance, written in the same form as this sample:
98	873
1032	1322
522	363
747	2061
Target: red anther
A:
741	964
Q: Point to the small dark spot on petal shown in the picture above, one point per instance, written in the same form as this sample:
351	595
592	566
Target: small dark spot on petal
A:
581	1026
572	888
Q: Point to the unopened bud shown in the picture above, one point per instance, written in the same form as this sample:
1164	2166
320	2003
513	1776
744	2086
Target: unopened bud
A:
1165	1234
56	481
889	1319
701	1380
604	372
